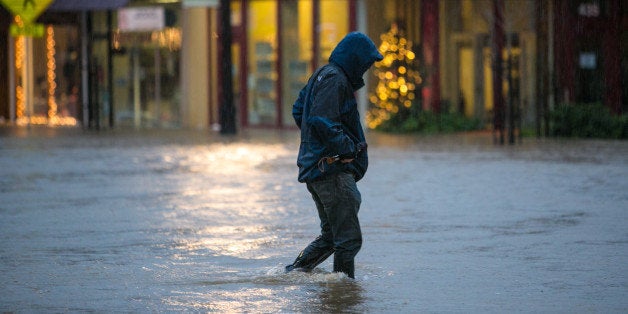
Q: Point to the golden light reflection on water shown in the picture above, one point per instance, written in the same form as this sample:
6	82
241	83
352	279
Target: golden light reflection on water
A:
231	301
234	159
331	295
228	196
241	242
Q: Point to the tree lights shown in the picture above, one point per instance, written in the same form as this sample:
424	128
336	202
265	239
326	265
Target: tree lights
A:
395	98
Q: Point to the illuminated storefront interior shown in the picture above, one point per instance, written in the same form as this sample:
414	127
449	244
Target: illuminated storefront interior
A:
46	78
146	75
281	52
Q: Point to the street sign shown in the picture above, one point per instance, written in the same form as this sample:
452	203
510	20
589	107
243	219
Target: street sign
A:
32	30
27	10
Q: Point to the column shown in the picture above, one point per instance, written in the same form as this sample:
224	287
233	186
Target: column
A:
429	35
195	68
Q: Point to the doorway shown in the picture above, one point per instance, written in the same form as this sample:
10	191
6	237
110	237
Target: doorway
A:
146	79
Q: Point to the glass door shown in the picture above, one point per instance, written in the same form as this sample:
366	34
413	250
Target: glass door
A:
296	53
146	75
262	64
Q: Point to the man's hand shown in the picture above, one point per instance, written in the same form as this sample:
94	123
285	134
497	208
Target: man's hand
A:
362	146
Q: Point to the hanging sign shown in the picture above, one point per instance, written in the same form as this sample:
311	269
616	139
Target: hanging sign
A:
141	19
200	3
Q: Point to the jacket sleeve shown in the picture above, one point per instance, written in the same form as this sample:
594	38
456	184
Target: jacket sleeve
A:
297	107
325	119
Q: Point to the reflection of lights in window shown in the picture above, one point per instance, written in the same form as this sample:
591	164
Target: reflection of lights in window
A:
168	38
116	40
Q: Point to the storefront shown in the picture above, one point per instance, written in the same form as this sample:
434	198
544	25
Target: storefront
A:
145	63
591	57
171	76
97	68
87	70
50	79
94	68
43	75
484	72
277	44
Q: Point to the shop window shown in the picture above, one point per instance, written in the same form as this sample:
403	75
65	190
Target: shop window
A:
334	25
296	34
262	66
47	89
146	74
590	8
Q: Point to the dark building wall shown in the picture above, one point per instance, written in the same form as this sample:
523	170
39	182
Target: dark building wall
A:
5	20
596	33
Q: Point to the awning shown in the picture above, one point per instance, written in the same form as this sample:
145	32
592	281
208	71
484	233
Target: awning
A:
86	5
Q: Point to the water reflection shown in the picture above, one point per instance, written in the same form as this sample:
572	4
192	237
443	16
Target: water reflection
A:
248	242
341	297
275	291
234	300
229	201
228	209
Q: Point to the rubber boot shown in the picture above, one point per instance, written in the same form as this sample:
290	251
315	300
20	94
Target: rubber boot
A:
344	266
314	254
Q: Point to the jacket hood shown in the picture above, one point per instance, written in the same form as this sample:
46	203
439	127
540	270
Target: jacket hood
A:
355	54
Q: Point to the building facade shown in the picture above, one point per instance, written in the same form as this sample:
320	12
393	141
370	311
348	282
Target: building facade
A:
155	64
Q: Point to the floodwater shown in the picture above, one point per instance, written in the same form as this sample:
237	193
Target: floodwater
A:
141	221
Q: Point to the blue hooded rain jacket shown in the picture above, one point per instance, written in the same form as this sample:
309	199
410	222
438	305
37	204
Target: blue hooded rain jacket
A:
327	114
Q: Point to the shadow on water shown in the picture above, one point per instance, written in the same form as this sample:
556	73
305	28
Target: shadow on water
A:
347	297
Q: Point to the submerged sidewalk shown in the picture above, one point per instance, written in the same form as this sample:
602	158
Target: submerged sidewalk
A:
153	221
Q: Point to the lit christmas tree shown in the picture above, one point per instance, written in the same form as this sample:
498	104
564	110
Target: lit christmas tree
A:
395	98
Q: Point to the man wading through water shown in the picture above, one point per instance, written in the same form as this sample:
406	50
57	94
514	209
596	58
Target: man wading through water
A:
332	155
